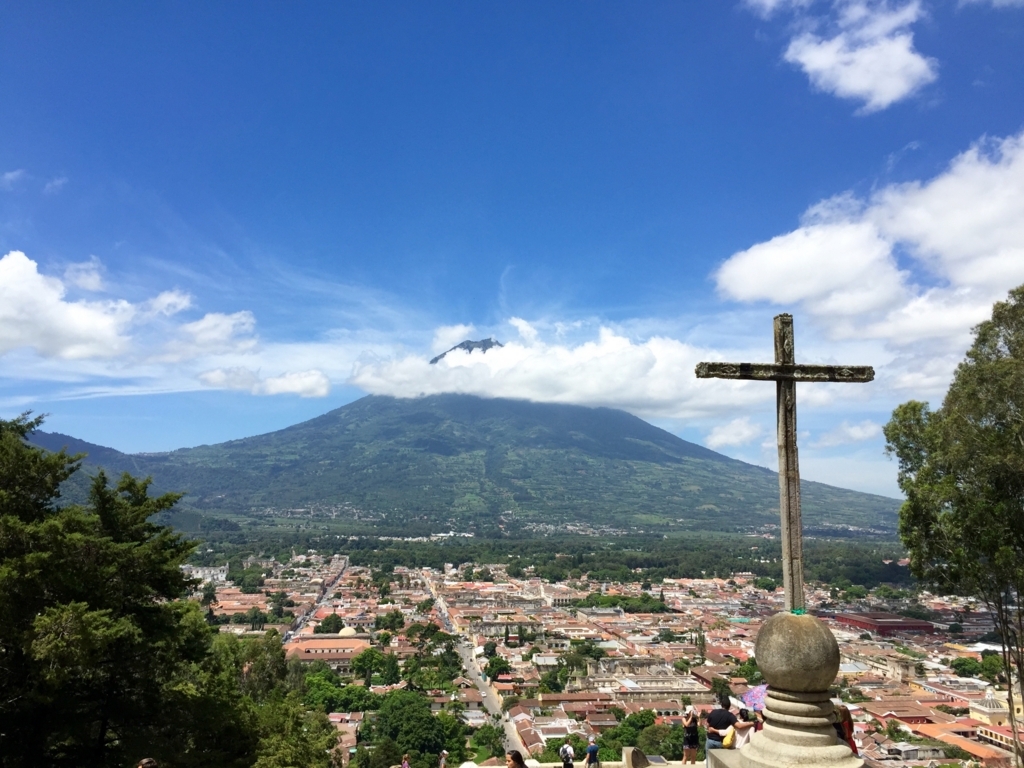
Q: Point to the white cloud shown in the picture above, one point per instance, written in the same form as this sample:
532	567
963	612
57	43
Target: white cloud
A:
768	7
53	186
526	331
863	50
736	432
447	336
86	275
995	3
34	313
303	383
215	333
849	433
168	303
960	236
651	378
311	383
10	178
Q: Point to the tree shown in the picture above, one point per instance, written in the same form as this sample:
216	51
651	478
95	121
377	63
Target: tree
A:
720	687
209	594
425	606
101	663
497	666
991	666
961	468
405	718
966	667
490	649
749	671
255	618
392	620
656	740
702	644
390	673
366	663
331	625
491	738
384	639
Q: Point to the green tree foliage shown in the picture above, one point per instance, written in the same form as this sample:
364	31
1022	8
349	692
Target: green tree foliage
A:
721	688
324	692
390	671
425	606
646	603
991	666
663	740
331	625
405	718
749	671
491	738
100	662
966	667
392	621
366	663
497	666
490	649
961	468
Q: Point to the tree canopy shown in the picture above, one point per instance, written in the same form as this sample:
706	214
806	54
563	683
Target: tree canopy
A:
101	661
961	468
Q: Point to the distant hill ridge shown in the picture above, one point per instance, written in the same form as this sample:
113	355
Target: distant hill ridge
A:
475	463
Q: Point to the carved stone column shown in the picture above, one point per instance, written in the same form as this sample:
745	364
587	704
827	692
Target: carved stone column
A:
799	659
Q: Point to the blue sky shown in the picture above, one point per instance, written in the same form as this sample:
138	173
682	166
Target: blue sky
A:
217	220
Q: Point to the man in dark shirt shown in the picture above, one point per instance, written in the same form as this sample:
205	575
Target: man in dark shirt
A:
719	721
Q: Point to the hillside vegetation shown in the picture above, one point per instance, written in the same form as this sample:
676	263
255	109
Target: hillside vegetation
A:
484	465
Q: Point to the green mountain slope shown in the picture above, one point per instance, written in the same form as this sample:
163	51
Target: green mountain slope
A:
476	464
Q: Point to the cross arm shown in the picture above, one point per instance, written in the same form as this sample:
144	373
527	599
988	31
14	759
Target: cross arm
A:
776	372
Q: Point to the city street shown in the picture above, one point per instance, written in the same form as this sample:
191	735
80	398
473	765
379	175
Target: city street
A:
491	701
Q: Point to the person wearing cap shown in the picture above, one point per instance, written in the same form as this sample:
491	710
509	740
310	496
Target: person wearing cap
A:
443	762
592	760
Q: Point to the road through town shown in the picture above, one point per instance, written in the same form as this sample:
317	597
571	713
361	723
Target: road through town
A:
491	701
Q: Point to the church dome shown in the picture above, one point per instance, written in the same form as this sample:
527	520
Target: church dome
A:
348	632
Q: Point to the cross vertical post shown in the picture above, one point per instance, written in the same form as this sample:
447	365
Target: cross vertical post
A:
786	373
789	468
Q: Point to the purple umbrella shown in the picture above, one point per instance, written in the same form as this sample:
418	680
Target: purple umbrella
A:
754	697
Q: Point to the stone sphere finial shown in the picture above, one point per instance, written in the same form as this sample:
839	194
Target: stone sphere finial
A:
797	653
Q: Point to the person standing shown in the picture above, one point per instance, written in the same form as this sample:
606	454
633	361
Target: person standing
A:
405	760
691	736
719	721
514	759
593	761
443	762
567	754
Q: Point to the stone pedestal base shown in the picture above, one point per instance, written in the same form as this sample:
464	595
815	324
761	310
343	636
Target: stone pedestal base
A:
797	732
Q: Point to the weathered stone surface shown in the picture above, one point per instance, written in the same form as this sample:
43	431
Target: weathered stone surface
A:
634	757
797	653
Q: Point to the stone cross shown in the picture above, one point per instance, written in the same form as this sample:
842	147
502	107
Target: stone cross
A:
786	373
